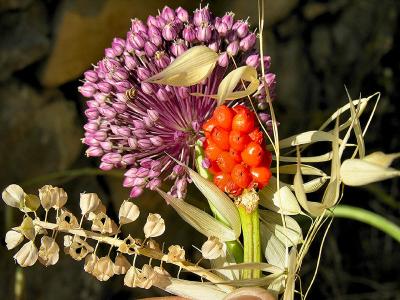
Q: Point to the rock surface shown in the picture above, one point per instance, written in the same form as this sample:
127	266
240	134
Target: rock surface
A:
23	38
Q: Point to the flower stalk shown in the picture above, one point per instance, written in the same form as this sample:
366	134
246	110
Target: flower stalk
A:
251	240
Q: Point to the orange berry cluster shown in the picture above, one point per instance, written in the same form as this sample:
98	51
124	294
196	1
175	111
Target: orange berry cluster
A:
236	151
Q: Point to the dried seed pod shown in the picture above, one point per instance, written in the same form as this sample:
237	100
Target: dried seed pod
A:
176	253
129	245
213	248
155	226
68	239
152	244
13	195
48	251
45	195
40	230
89	202
27	228
79	248
13	239
27	255
103	224
130	276
146	277
103	269
100	209
128	212
67	220
52	197
90	263
160	271
30	203
121	264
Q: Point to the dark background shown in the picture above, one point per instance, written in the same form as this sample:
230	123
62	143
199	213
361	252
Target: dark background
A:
317	47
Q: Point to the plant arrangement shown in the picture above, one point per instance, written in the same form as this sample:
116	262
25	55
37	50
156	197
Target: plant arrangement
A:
188	99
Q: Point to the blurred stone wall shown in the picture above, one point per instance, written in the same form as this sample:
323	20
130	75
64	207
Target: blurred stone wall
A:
317	47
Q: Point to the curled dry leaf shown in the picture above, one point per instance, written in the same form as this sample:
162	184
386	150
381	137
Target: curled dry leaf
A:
103	268
176	253
213	248
121	264
27	255
155	226
48	251
128	212
13	195
13	239
89	202
189	68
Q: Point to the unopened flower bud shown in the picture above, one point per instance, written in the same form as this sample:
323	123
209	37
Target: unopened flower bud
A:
248	42
182	14
169	32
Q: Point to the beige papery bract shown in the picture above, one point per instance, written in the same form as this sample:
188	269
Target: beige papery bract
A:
27	255
213	248
128	212
52	197
121	264
13	239
89	202
103	268
155	226
176	253
48	251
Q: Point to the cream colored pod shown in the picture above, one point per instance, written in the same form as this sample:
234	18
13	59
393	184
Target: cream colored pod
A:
128	212
48	251
27	228
213	248
176	253
13	195
13	239
27	255
89	202
155	226
104	268
121	264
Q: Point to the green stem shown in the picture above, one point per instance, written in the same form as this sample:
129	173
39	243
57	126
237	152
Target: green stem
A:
367	217
251	240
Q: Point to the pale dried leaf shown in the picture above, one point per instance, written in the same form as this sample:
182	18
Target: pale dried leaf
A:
305	170
357	172
222	203
189	68
291	275
274	249
381	159
200	220
290	234
282	202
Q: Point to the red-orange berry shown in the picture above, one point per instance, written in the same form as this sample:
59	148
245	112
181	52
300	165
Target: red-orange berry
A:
261	175
256	136
253	154
209	125
236	155
212	150
225	183
238	140
241	176
214	169
267	159
223	116
243	121
220	137
225	162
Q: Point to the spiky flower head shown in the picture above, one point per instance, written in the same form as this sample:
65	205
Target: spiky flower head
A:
139	126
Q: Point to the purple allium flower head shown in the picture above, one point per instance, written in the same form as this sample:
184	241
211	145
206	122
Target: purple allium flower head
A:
141	126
